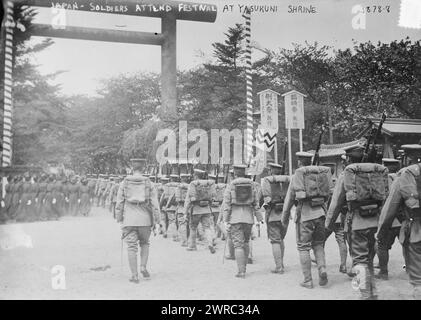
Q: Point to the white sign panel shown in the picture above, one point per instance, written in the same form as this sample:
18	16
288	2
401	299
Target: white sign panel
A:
294	110
269	110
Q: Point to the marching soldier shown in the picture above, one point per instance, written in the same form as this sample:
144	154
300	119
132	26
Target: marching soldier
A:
274	188
163	202
50	205
240	206
85	197
92	181
8	197
103	191
108	192
309	214
171	207
137	210
383	247
25	207
42	192
200	194
404	195
338	228
59	194
16	195
113	197
180	197
363	186
216	204
98	189
73	196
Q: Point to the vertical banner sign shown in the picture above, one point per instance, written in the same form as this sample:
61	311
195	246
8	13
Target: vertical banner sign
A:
8	84
249	88
269	116
294	110
294	118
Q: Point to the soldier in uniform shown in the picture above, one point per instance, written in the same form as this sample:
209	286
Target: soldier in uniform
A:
163	202
383	247
137	210
25	207
113	196
50	205
240	206
274	189
110	186
73	196
200	194
85	197
309	215
180	197
104	190
16	195
34	198
98	184
42	192
338	227
404	195
59	194
8	197
171	207
362	215
92	181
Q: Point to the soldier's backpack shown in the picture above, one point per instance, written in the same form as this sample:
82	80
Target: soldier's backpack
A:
137	189
202	191
410	187
312	183
242	192
366	186
278	189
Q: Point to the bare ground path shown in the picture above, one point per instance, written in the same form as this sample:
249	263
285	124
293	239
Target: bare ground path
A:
89	249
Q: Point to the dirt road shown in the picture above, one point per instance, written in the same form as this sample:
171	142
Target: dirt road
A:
89	250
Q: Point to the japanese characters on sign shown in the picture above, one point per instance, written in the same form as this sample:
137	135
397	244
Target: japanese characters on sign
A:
269	110
294	110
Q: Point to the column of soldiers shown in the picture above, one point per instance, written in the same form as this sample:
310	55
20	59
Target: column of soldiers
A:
41	197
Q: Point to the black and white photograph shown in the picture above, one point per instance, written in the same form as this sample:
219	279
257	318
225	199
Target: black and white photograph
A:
211	150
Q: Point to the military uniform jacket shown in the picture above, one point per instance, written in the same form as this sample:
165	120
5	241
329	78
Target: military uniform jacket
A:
273	214
171	189
240	213
338	201
145	214
304	210
180	196
394	202
220	189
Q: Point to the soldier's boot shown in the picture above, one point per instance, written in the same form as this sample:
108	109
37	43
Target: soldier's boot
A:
417	292
241	259
278	256
144	255
363	280
373	287
305	262
209	238
231	251
247	252
383	256
319	253
343	253
132	256
192	241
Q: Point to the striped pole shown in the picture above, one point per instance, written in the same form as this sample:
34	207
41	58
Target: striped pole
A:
249	89
8	84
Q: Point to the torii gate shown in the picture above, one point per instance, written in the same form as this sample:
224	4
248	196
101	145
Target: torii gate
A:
169	12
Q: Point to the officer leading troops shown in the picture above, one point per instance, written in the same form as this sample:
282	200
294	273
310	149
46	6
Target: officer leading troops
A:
274	188
310	188
405	194
240	206
137	209
363	186
199	197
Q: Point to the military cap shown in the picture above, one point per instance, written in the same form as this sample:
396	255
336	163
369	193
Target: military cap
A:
275	165
184	175
199	171
303	154
358	151
411	148
390	161
174	175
